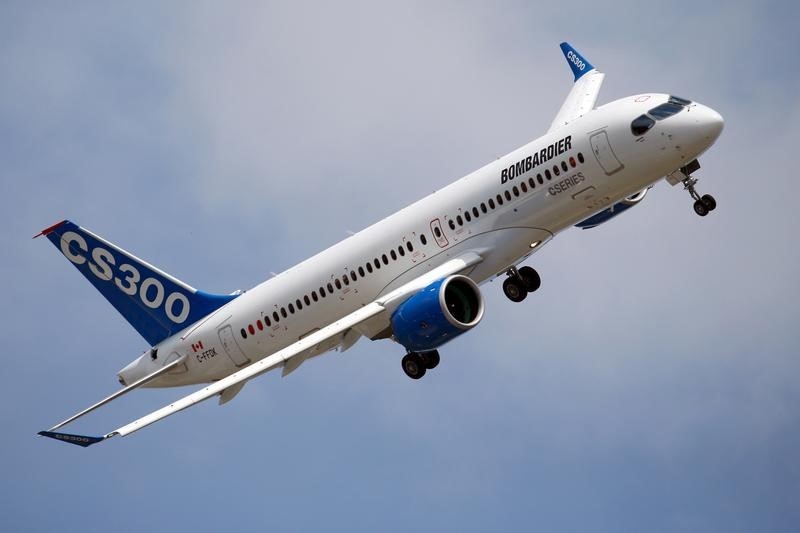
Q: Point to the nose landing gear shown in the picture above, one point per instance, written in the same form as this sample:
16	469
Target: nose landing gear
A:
520	282
704	204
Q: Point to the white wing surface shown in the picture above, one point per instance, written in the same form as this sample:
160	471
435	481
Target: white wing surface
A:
384	304
583	96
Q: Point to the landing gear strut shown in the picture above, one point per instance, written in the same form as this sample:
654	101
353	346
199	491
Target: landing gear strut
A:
703	205
416	363
520	282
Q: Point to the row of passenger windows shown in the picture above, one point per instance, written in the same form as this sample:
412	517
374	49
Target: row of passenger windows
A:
327	289
523	188
371	266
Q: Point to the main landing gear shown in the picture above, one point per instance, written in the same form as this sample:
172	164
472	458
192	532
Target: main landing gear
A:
703	205
520	282
415	364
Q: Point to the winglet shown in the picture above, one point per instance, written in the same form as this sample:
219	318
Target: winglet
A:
577	62
80	440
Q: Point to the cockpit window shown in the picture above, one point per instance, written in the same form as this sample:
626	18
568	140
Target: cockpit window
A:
665	110
641	124
678	100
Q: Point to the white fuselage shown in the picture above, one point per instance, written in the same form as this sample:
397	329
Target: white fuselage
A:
604	162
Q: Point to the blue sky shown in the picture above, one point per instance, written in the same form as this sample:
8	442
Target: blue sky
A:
651	384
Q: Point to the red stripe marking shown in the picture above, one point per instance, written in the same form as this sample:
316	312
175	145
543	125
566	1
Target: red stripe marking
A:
50	229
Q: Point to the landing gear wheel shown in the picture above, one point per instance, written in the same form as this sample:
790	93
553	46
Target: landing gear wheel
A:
431	359
700	208
702	204
515	289
413	365
530	278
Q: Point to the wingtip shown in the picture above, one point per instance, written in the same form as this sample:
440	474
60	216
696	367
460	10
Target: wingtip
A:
79	440
579	64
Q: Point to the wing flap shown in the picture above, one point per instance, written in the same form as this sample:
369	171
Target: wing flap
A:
256	369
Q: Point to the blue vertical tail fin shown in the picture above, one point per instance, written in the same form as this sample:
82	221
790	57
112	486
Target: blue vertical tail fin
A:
156	304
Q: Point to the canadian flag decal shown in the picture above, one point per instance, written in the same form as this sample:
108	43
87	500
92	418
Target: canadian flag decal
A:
198	346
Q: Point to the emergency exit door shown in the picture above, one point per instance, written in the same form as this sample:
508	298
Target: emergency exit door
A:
231	348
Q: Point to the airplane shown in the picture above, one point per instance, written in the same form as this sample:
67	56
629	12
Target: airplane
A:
413	277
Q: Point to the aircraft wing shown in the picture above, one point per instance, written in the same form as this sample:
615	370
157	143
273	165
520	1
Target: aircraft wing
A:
583	96
384	304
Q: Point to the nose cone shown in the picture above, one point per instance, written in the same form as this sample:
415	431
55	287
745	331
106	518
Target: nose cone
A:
711	123
698	128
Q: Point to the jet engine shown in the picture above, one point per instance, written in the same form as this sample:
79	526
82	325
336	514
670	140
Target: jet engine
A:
616	209
438	313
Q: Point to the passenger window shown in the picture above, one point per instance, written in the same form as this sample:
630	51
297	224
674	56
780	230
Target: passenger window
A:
267	321
532	182
361	272
306	300
483	208
291	308
377	263
244	335
353	275
401	250
338	284
451	224
516	191
523	186
499	200
283	312
322	291
555	170
314	296
437	232
467	216
639	126
369	268
299	304
275	316
460	220
508	196
580	157
410	246
539	179
394	255
475	212
385	259
491	203
548	175
330	288
424	239
564	166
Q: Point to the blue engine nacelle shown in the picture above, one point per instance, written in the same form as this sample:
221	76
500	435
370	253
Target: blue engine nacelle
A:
438	313
607	214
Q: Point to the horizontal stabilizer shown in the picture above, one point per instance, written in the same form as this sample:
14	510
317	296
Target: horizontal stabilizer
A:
126	390
80	440
156	304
